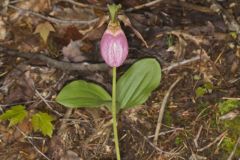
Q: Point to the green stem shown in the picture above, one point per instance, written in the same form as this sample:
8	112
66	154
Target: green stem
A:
114	112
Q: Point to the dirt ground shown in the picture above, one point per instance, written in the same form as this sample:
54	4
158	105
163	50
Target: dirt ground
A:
44	44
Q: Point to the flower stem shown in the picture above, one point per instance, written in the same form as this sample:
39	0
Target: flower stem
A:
114	112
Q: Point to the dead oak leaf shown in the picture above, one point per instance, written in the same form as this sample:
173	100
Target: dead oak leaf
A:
44	29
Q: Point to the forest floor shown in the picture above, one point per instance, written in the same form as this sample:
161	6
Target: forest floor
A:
45	44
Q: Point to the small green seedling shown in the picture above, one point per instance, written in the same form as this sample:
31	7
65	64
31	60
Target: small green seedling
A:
40	121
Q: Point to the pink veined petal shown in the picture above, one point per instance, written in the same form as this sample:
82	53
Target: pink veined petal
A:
114	48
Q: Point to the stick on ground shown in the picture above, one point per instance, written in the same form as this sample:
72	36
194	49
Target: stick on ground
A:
160	117
83	66
55	20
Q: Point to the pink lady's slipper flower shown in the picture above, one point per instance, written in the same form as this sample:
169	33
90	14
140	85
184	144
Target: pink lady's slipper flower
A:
114	45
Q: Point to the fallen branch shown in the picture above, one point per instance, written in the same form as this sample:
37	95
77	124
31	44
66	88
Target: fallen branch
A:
55	20
160	117
84	66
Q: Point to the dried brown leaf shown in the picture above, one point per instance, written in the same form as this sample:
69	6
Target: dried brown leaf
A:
44	29
33	5
128	23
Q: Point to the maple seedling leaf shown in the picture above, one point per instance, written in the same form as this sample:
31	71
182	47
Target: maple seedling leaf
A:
42	122
44	29
15	115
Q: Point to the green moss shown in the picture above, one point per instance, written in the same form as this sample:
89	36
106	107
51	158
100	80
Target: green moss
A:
200	91
178	141
228	144
227	106
168	118
233	128
208	86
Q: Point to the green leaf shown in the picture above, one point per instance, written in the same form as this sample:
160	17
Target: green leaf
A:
83	94
44	29
136	85
200	91
208	85
228	105
196	77
42	122
234	35
228	144
15	115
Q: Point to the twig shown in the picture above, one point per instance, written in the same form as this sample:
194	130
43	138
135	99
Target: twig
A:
75	3
174	65
213	142
166	132
82	4
160	117
173	2
152	3
191	6
231	98
15	1
30	141
84	66
234	149
48	105
197	137
55	20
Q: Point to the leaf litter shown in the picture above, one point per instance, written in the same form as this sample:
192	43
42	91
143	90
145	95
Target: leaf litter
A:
175	32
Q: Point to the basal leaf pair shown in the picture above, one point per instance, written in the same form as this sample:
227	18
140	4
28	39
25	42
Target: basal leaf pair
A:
133	88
